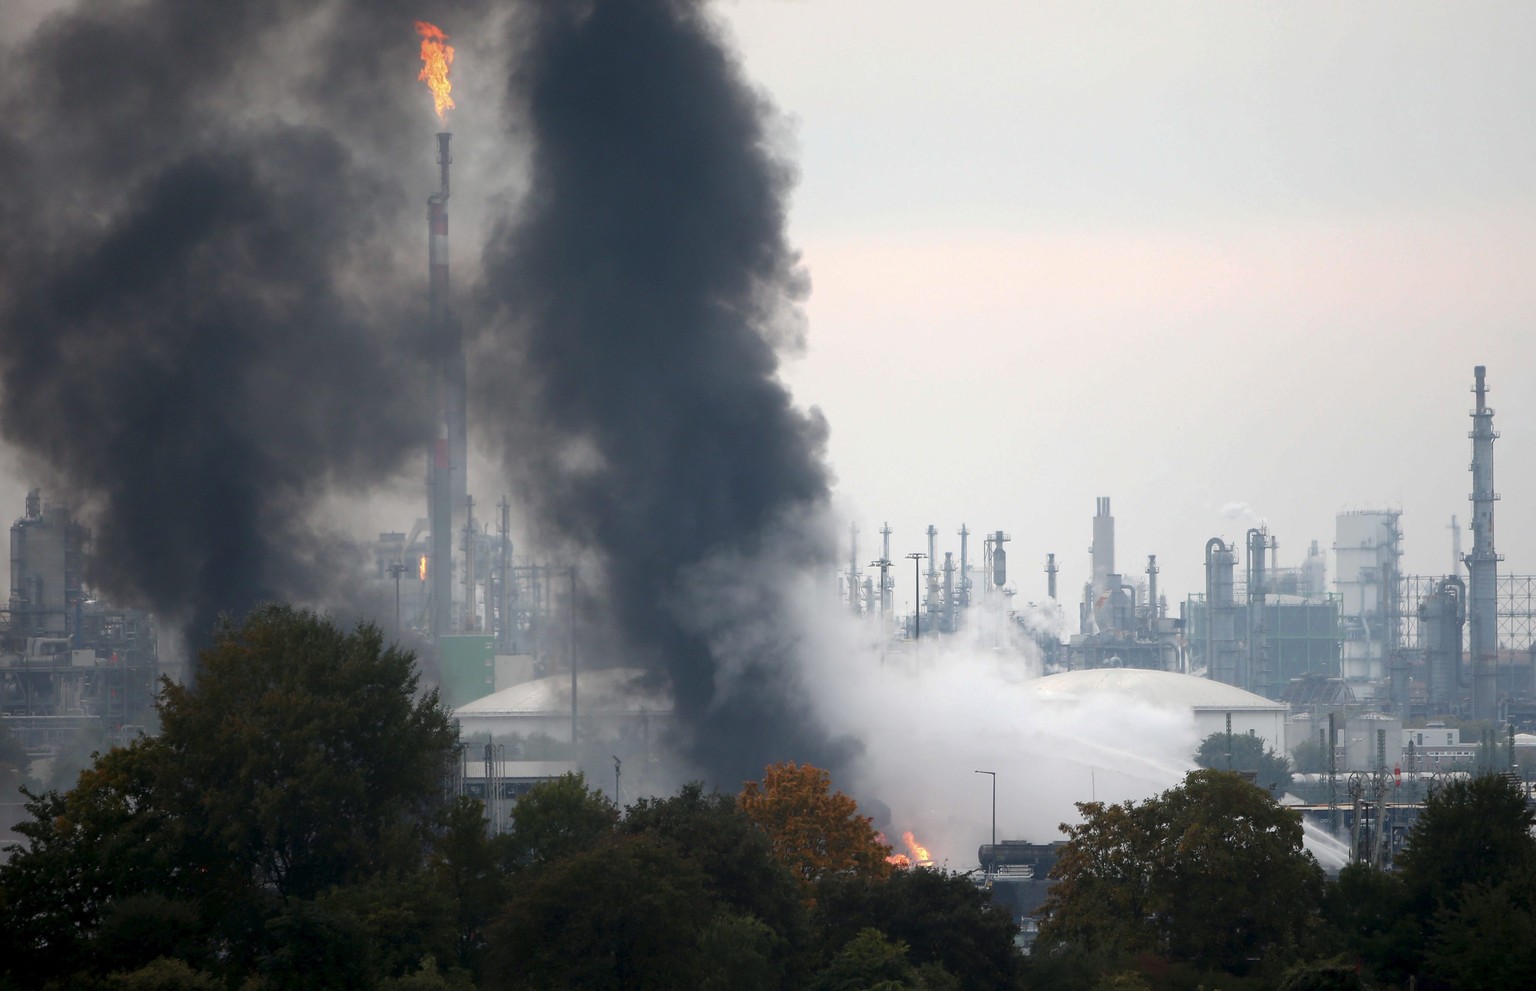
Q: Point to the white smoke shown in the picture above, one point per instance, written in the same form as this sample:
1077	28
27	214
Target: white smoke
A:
931	714
1241	512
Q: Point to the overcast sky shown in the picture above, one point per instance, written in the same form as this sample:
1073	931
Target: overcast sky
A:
1186	256
1191	257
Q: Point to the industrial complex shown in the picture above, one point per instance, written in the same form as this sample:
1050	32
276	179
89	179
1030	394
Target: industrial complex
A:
1361	659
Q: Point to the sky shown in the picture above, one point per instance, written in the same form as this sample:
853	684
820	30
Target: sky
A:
1223	263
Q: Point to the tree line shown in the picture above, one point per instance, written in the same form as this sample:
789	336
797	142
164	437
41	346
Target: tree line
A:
1208	885
290	827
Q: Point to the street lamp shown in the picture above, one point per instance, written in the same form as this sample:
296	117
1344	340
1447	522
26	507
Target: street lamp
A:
916	557
397	569
994	812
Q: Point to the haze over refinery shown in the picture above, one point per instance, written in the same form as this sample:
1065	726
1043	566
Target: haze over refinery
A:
1225	263
729	278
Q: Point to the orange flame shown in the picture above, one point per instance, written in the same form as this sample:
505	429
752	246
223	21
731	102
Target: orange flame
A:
423	567
437	59
916	852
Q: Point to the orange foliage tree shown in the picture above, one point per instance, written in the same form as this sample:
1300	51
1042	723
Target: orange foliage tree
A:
813	830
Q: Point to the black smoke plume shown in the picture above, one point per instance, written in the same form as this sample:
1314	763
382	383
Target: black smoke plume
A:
649	279
204	326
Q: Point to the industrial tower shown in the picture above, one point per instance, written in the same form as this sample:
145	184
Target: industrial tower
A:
1483	562
446	483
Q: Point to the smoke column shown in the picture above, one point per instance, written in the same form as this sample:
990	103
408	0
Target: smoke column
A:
649	281
193	194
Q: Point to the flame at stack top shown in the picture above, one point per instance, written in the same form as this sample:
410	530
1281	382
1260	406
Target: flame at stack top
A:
437	59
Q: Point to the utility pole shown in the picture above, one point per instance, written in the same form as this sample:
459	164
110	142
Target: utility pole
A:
916	557
396	569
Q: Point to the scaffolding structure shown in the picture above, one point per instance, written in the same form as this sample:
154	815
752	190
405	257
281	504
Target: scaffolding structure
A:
1515	610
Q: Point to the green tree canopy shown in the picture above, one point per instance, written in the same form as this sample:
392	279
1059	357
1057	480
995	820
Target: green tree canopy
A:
733	851
1470	832
1271	770
302	759
558	818
941	918
868	962
626	913
303	753
1212	871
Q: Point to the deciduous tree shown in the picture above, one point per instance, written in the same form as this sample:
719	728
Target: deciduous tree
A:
943	919
1245	753
1473	831
812	829
558	818
734	852
303	760
303	754
625	914
1212	871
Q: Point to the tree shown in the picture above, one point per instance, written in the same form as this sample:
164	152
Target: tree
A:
303	753
1368	912
943	919
558	818
1469	878
301	762
1177	875
1271	770
868	962
627	913
734	852
103	841
1486	940
1309	757
1470	832
466	866
811	829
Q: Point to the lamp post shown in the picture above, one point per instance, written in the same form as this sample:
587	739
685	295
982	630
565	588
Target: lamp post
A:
397	569
917	557
994	812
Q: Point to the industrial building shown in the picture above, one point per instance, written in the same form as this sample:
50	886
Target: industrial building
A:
71	666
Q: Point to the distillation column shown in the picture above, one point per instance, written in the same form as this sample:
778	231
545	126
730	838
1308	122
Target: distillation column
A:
1483	562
